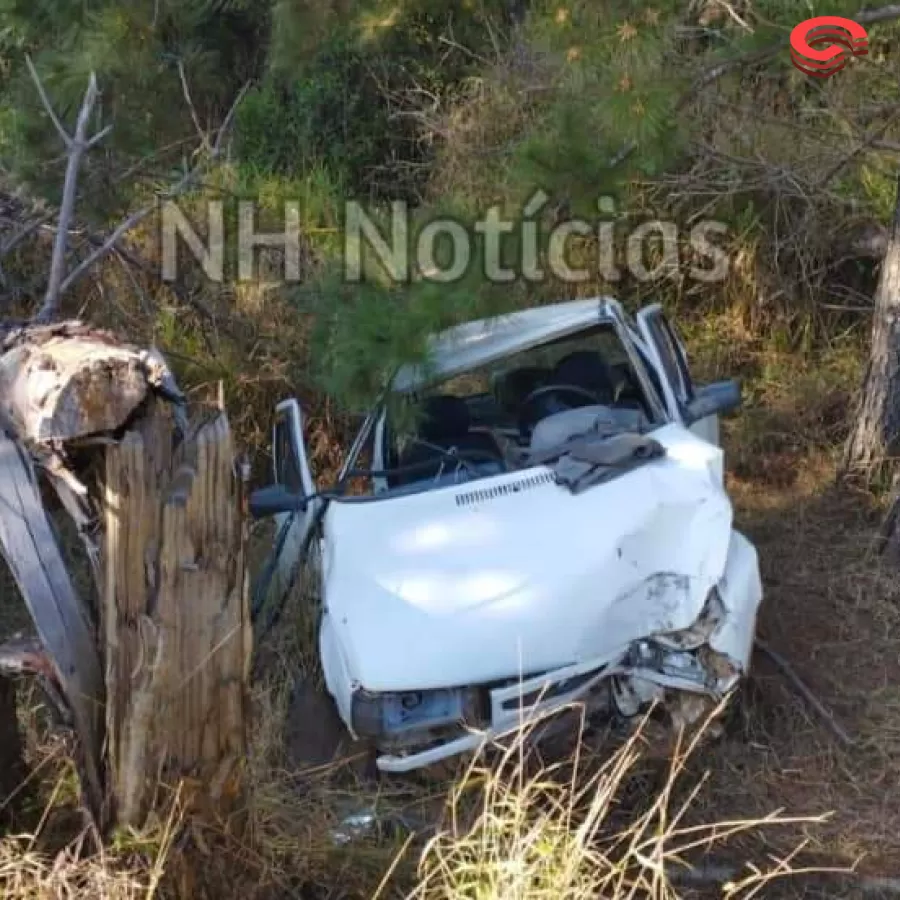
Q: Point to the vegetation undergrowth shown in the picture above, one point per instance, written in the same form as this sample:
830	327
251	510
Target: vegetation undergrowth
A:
603	822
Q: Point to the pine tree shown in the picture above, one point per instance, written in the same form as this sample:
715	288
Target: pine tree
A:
135	49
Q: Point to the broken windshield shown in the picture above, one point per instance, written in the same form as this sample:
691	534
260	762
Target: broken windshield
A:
480	423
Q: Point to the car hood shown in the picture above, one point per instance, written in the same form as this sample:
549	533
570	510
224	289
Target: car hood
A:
516	575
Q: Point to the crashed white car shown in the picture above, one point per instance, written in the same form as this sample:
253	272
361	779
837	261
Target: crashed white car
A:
552	527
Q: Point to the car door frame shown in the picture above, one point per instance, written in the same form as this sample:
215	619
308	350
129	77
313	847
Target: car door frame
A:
292	529
667	352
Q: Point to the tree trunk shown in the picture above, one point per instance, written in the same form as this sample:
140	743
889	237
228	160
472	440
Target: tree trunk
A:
175	615
875	432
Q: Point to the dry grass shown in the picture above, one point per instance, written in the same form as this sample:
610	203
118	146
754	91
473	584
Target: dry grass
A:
576	829
604	821
26	874
56	854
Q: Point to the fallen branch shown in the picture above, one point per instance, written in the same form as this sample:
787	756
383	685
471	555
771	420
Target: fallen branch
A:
824	713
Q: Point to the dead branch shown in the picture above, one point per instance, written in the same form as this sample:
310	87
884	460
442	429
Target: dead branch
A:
204	137
864	17
76	144
138	216
26	231
864	144
824	713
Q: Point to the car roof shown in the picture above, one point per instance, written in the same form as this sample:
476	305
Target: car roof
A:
473	344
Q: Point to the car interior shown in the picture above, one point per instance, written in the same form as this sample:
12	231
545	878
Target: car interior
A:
479	423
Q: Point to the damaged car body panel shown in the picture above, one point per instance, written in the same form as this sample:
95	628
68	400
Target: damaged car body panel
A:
558	531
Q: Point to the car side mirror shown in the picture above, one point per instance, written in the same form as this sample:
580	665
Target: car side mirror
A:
718	398
275	499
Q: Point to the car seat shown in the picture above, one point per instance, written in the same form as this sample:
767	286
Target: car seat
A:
444	425
586	369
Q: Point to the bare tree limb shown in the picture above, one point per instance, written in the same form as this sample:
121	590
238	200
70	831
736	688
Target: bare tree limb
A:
26	231
215	151
866	143
48	106
204	137
864	17
77	144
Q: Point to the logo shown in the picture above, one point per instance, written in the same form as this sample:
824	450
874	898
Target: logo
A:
843	38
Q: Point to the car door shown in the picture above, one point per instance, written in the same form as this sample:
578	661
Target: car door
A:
669	357
290	468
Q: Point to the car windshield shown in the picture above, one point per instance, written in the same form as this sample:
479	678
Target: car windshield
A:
483	422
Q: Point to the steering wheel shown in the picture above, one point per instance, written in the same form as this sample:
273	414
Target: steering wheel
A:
530	413
464	459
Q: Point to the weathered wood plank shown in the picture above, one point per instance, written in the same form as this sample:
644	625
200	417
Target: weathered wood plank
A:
34	558
176	622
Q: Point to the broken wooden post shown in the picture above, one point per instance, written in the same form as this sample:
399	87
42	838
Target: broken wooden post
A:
154	675
175	613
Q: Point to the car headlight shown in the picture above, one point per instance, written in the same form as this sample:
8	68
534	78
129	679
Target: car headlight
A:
394	714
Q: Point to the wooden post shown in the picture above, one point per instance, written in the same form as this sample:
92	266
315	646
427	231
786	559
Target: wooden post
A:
175	616
155	677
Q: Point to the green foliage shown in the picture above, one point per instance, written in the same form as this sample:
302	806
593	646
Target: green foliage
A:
613	114
331	111
135	50
451	101
348	100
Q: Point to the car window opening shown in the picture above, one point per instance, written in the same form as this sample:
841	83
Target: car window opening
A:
488	421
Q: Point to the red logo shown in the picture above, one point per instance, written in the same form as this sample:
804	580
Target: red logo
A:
843	37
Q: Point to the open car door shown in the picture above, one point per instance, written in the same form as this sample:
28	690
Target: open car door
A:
290	470
668	356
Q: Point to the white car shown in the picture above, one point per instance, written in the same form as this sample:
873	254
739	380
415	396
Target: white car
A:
551	527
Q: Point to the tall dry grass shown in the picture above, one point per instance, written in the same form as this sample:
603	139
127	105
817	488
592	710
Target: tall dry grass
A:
509	827
577	829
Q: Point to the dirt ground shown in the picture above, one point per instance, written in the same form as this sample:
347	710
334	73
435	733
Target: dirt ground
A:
832	609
